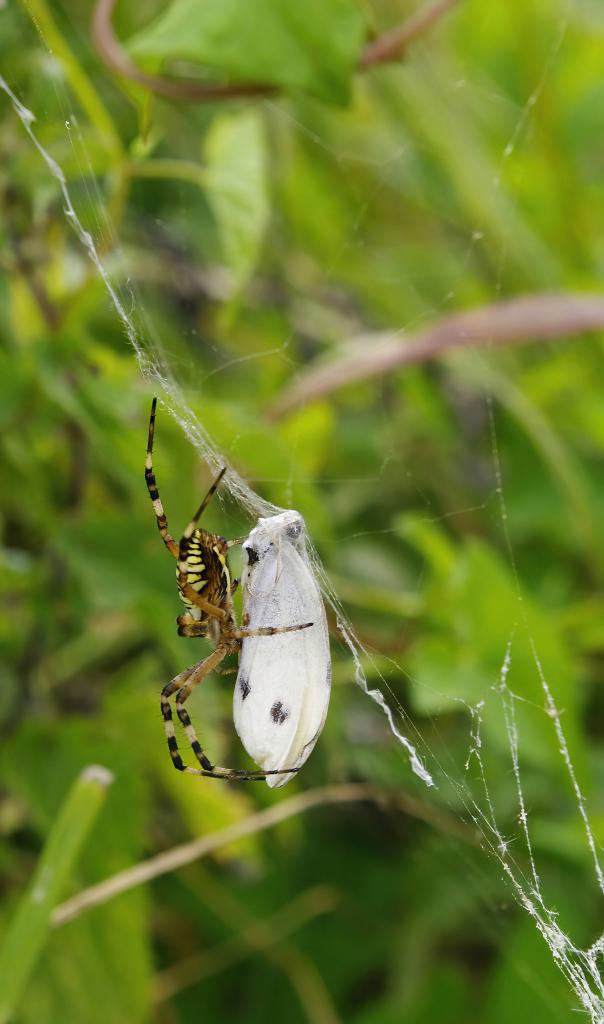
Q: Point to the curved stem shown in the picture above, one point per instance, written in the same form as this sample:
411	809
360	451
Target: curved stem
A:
178	89
386	48
179	856
83	88
392	45
540	317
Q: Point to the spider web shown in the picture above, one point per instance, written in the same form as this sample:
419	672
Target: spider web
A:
469	783
154	369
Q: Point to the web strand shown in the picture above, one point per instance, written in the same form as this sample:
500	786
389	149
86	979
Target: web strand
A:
581	967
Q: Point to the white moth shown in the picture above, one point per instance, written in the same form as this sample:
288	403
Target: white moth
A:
283	683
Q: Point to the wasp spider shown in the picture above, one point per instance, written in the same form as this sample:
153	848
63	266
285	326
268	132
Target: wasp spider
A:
206	589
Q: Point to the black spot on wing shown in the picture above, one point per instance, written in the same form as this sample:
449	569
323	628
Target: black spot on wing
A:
244	687
252	556
279	713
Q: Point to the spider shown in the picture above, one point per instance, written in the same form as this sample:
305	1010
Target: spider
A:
202	565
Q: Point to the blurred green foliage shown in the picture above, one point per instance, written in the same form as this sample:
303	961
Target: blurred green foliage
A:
254	236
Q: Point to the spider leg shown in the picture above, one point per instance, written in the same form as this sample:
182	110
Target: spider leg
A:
196	599
197	676
187	626
184	683
191	526
241	634
170	688
158	508
236	775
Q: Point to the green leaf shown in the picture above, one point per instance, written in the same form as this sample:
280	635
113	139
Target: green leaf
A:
430	540
28	930
474	615
312	46
237	189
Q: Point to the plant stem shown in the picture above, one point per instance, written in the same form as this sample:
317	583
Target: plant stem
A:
183	170
77	78
178	856
540	317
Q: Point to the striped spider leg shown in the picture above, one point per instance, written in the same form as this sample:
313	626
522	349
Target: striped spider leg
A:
202	566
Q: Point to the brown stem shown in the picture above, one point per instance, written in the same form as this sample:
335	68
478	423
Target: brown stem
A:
514	321
392	45
388	47
178	856
178	89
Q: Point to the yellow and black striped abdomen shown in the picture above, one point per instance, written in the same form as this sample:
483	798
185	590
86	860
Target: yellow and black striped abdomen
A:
207	569
196	567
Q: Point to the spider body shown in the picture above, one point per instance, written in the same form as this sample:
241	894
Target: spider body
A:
206	589
207	570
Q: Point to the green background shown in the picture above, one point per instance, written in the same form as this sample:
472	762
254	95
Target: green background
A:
255	237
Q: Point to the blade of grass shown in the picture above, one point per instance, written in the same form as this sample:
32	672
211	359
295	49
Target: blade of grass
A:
29	927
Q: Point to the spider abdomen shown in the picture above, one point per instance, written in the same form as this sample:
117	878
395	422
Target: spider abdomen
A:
196	569
207	569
